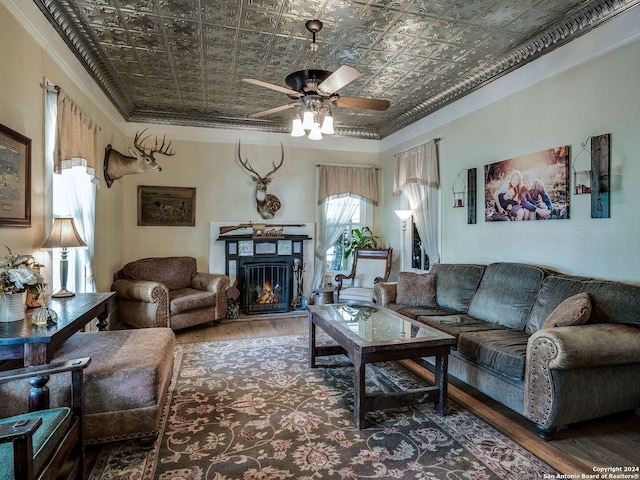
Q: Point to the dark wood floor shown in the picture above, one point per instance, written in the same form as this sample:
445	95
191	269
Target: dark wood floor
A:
607	442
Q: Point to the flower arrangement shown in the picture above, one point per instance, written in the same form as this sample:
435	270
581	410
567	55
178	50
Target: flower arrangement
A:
19	273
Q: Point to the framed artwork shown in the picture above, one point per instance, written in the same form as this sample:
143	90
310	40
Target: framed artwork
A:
15	179
166	206
530	187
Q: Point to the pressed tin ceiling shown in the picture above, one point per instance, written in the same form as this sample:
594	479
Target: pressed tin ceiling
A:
182	62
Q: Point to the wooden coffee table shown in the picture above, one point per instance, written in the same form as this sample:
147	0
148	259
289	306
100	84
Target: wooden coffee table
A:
370	334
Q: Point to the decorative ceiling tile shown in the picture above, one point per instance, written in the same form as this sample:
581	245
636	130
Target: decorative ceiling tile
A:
183	61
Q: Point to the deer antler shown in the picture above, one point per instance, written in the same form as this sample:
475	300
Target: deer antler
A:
246	164
163	150
139	144
275	169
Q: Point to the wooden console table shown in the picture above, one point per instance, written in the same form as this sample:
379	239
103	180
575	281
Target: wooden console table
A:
36	344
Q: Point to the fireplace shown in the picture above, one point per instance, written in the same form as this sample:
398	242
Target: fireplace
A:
262	270
266	287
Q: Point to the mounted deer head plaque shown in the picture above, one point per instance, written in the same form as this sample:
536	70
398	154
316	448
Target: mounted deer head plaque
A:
116	165
266	203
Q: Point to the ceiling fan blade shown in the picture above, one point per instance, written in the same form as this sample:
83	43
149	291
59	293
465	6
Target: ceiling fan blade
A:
260	83
273	110
368	103
338	79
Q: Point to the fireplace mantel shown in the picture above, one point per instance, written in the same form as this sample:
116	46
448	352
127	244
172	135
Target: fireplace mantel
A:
247	253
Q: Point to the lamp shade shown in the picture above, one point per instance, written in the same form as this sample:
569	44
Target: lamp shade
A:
327	125
404	214
297	130
64	235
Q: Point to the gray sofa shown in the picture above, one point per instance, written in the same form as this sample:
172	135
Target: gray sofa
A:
552	376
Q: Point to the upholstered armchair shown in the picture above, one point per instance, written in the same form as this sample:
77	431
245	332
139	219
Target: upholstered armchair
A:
370	266
169	292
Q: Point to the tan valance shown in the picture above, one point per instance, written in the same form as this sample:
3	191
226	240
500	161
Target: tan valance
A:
418	165
77	137
337	181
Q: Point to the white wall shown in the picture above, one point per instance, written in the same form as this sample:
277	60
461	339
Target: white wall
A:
596	97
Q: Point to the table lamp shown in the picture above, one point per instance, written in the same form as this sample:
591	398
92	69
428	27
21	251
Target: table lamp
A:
64	235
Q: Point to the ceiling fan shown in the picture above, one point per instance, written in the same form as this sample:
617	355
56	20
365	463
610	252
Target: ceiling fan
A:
316	90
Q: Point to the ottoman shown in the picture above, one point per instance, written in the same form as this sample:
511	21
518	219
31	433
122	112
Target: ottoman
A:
125	386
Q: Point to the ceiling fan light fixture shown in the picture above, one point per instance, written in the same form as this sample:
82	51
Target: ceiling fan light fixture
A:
297	130
308	120
315	134
327	125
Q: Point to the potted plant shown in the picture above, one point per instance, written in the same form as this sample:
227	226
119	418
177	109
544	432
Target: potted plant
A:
359	238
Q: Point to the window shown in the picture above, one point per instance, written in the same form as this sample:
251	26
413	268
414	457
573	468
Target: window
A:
335	259
419	259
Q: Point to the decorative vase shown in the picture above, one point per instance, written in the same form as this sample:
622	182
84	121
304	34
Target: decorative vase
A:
12	308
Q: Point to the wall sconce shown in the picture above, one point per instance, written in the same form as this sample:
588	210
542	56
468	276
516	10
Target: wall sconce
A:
64	235
582	178
459	189
403	215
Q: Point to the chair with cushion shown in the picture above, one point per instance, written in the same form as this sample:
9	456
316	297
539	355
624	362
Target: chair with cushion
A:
44	442
169	292
370	266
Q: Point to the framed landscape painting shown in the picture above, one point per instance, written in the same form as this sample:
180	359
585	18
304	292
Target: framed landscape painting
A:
166	206
15	179
530	187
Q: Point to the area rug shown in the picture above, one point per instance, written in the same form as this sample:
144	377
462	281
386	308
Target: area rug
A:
252	409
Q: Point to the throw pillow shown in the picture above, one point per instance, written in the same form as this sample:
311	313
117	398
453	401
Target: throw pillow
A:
574	310
416	290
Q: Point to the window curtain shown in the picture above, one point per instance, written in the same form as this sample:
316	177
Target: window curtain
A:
340	183
74	152
77	140
416	175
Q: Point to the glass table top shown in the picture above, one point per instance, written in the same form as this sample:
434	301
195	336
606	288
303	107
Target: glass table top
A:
374	324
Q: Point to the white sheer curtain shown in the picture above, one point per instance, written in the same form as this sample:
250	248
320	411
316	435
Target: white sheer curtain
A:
333	218
417	176
71	147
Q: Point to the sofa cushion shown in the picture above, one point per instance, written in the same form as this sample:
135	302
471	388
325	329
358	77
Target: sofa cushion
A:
575	310
186	299
611	302
507	293
456	284
415	312
174	272
503	351
416	289
458	323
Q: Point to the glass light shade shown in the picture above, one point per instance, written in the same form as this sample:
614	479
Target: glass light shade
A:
297	130
315	134
404	214
308	121
327	125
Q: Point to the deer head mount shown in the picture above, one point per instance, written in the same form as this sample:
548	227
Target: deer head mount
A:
116	165
266	204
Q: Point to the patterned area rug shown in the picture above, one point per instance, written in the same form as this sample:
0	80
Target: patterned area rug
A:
252	409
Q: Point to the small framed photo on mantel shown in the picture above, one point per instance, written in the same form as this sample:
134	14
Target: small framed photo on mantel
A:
15	179
166	206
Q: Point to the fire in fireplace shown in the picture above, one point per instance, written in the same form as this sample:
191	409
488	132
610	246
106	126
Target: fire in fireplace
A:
266	287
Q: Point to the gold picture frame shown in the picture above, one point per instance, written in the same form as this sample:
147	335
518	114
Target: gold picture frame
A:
15	179
166	206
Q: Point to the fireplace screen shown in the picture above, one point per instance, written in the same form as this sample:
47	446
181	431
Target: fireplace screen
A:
266	287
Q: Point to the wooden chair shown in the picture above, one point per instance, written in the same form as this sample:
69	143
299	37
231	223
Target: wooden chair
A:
46	443
370	266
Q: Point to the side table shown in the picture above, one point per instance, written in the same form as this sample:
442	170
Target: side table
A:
323	296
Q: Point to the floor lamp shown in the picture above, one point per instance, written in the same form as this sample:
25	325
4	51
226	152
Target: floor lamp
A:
403	215
64	235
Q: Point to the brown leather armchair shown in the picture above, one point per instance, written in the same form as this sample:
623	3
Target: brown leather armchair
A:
169	292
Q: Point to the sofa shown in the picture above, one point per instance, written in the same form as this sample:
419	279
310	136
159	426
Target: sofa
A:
555	348
169	292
